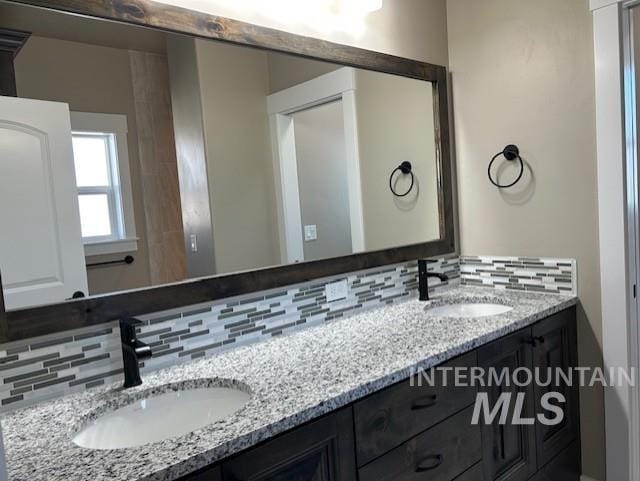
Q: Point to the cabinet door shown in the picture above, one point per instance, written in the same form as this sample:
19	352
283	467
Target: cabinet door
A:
509	450
212	474
565	466
556	349
321	451
42	260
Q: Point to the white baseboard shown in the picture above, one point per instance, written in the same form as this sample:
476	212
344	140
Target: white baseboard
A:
586	478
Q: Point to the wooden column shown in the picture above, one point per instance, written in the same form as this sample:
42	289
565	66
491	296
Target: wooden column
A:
11	41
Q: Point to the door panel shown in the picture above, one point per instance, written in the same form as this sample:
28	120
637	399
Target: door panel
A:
509	450
566	466
320	451
322	178
556	349
42	261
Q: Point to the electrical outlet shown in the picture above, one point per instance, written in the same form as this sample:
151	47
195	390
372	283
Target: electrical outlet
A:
310	232
336	290
193	240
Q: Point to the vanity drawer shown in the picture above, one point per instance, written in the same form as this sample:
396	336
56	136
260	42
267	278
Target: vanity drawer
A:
472	474
388	418
439	454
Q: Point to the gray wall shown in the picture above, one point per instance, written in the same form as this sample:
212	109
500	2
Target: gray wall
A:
322	179
523	72
234	85
287	70
395	123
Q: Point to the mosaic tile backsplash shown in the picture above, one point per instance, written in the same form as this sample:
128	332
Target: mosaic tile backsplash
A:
520	273
50	366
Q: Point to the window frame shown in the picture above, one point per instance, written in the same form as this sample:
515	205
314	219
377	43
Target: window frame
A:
120	195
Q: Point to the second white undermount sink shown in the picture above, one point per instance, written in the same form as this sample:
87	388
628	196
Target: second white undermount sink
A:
159	417
468	309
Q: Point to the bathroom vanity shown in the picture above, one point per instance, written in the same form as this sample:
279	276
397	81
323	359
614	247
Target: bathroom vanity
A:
405	432
335	402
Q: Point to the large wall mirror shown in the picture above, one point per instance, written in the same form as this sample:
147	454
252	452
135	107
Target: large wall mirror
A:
137	157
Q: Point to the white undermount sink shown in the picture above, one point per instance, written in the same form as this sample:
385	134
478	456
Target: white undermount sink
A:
159	417
470	309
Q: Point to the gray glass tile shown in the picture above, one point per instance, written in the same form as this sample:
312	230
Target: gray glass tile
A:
35	380
95	377
61	360
19	377
101	332
237	313
54	382
196	312
89	360
52	342
12	399
173	334
194	334
154	333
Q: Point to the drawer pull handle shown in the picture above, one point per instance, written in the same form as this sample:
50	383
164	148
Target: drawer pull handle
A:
534	341
429	463
424	402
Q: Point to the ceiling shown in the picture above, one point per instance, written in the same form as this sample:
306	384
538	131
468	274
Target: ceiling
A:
76	28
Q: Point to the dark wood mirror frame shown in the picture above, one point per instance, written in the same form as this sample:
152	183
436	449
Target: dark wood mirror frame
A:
25	323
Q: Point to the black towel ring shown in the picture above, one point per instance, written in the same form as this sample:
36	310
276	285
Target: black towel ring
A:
510	152
406	168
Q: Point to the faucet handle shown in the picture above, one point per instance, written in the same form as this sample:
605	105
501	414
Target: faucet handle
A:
128	329
131	321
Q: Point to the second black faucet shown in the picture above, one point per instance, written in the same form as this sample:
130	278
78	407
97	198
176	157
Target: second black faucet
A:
423	278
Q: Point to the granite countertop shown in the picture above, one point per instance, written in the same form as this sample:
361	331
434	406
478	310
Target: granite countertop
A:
293	379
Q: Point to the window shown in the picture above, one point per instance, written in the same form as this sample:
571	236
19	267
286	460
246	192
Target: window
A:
104	189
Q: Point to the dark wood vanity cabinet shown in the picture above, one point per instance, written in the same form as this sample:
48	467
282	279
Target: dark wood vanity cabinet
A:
411	432
322	450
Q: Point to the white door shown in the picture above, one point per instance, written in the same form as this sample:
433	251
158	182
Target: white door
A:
322	181
41	251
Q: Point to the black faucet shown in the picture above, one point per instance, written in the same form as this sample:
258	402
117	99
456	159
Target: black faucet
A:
133	351
423	278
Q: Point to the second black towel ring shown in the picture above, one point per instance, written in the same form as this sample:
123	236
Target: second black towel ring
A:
510	152
406	168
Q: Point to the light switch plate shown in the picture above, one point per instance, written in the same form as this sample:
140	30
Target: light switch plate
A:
310	232
193	241
336	290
